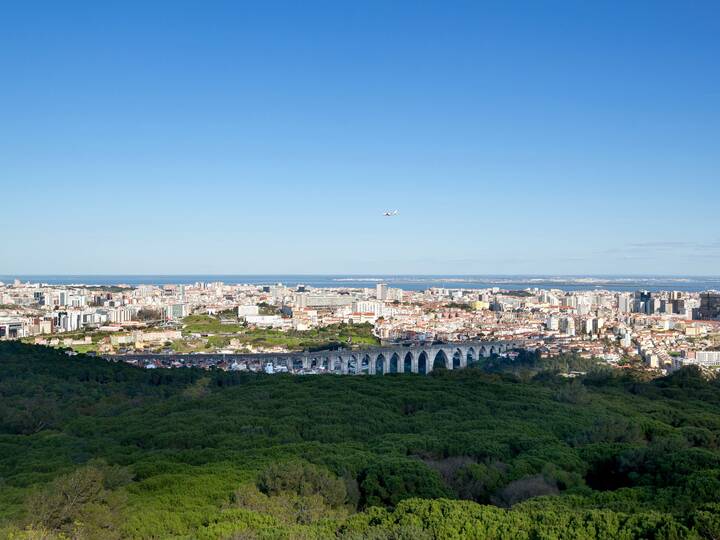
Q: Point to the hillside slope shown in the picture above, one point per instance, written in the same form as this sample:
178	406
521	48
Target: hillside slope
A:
90	449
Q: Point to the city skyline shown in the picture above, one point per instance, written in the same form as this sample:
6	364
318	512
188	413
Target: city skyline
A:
622	321
173	139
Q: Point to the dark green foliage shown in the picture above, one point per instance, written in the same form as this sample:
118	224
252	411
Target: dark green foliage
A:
535	485
478	481
148	314
91	449
303	479
388	482
267	309
574	392
458	305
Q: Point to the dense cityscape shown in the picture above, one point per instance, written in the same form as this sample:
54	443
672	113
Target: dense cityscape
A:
230	326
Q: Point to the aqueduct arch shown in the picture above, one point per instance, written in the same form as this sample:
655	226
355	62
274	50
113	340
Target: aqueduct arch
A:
441	361
395	366
422	363
417	358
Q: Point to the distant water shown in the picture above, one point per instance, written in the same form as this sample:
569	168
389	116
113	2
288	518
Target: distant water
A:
407	282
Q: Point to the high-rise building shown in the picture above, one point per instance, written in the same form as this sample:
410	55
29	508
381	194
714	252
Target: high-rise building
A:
395	295
625	303
709	305
552	323
643	296
642	303
381	291
567	326
653	306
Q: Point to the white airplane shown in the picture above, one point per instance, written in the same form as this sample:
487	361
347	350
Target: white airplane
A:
390	213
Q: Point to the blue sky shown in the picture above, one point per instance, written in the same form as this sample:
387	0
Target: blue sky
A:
268	137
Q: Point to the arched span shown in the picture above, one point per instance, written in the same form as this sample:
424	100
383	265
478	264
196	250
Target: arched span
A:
380	366
401	359
353	365
394	363
408	363
441	360
336	364
365	365
422	366
457	359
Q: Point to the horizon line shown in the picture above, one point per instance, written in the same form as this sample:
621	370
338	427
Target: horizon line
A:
310	274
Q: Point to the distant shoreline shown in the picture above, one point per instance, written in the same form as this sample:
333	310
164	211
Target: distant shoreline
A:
403	281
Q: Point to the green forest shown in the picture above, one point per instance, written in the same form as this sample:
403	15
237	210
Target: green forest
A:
96	450
332	336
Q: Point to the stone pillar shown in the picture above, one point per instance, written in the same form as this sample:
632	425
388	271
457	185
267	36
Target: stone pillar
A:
449	358
371	365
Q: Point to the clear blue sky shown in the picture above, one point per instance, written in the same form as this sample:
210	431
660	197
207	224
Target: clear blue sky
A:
254	137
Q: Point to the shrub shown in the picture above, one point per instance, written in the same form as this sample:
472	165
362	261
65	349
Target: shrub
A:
304	479
389	482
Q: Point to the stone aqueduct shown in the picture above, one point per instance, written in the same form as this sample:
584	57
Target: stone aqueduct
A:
399	359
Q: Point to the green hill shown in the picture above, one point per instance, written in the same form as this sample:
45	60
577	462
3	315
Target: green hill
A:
90	449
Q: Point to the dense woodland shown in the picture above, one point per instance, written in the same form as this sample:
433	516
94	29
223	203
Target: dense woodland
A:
90	449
